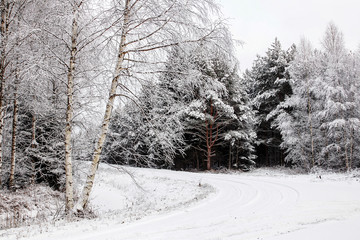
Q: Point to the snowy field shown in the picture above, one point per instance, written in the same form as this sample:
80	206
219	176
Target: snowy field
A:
263	204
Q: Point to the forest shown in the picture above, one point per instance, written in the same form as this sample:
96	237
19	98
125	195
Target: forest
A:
156	84
296	107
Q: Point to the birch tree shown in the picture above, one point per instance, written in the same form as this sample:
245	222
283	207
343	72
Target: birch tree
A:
147	27
69	34
69	109
3	65
14	129
11	39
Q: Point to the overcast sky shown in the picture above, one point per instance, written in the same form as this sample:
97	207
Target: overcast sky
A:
258	22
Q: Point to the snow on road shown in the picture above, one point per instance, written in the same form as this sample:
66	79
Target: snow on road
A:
245	206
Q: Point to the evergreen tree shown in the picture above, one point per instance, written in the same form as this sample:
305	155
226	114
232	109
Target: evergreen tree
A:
193	114
269	85
299	128
321	129
339	114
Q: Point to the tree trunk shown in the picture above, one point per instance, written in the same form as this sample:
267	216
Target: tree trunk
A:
347	159
33	146
230	156
197	161
267	155
69	192
13	139
311	129
347	165
208	159
351	147
108	110
210	139
237	157
3	33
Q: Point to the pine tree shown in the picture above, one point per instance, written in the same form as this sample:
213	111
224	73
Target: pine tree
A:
320	130
339	113
191	114
269	84
299	127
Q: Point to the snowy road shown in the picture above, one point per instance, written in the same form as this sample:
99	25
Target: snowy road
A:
249	207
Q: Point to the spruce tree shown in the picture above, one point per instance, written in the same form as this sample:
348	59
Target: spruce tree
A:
268	81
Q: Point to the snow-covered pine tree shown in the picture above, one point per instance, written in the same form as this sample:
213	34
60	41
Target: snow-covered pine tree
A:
321	128
216	118
339	114
125	144
196	93
204	116
268	81
146	132
239	131
298	127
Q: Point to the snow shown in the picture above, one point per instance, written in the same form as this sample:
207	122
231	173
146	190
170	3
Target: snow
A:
262	204
146	193
330	230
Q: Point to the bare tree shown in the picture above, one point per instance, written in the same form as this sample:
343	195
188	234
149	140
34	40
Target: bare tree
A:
71	28
14	126
146	28
9	46
3	64
69	109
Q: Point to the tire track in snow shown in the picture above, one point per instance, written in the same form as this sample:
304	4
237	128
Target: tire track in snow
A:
242	207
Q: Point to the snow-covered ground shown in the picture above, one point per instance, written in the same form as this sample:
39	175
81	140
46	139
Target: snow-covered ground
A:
119	196
263	204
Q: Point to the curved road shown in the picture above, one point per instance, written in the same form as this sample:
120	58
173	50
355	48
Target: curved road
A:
246	207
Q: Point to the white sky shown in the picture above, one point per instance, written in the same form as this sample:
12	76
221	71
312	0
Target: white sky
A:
258	22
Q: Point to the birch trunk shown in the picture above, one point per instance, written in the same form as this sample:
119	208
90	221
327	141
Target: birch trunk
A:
3	34
108	110
69	192
13	138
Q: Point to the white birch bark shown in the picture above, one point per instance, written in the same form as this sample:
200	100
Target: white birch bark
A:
108	110
13	138
3	34
69	192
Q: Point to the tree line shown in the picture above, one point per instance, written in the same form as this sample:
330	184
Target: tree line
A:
308	107
296	107
197	115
